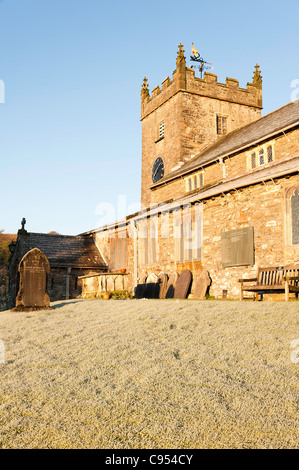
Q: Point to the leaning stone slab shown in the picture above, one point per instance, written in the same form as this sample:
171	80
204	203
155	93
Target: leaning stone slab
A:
201	284
163	282
183	284
173	278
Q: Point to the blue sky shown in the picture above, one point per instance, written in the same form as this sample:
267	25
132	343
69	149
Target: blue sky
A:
70	130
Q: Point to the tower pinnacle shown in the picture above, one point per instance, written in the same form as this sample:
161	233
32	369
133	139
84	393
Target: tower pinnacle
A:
257	77
181	59
144	89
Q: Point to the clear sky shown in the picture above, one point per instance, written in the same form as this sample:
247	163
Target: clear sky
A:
70	130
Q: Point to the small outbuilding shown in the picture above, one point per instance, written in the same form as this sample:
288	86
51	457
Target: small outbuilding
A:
69	256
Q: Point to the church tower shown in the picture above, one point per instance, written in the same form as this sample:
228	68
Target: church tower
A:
187	114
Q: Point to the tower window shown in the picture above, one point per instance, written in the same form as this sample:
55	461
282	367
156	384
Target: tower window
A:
221	122
261	157
161	130
253	160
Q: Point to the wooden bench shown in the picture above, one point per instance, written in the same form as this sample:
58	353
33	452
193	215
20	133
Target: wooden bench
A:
274	280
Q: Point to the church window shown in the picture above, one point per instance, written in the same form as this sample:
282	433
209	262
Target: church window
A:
118	252
198	236
153	240
262	156
194	182
148	239
292	216
295	217
143	243
221	122
188	236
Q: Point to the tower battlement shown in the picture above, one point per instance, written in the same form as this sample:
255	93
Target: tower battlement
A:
184	80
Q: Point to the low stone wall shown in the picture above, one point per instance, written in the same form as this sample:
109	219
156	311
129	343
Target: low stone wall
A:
97	284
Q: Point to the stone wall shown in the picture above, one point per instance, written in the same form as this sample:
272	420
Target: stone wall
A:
62	284
261	206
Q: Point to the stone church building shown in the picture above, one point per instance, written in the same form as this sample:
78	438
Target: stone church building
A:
219	187
219	184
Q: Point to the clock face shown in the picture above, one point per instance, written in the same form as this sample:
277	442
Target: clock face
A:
158	170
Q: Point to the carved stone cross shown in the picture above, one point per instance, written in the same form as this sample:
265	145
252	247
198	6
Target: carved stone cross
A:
23	223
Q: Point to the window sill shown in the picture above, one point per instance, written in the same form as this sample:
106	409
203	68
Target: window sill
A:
161	138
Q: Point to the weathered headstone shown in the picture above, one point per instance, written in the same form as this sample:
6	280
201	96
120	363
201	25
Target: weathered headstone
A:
152	287
173	278
140	291
183	284
201	284
34	269
162	281
151	278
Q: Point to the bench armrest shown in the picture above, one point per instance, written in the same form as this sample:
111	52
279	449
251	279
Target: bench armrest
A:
248	280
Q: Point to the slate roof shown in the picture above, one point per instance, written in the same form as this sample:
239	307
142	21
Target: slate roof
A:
257	131
63	250
266	175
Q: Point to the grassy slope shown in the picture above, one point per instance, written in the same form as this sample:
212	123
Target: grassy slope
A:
150	374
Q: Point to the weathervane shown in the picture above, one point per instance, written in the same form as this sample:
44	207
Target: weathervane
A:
203	65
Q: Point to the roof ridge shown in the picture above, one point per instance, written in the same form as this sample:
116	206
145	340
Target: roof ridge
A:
57	235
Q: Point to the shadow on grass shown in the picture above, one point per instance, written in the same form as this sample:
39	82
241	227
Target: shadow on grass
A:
62	304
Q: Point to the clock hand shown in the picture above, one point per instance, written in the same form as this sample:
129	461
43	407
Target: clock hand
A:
156	171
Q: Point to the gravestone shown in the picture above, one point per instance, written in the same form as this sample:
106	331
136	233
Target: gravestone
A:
151	278
139	292
201	284
34	269
162	281
183	284
152	287
173	278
